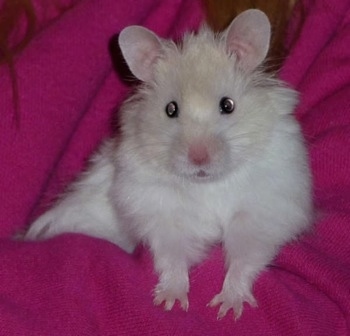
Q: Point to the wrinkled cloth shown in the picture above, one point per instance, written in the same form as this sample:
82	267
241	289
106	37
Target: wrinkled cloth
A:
78	285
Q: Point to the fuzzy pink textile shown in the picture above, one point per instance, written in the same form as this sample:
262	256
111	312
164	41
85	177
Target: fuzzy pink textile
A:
77	285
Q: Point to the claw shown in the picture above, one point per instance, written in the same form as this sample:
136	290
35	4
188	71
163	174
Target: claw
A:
225	306
169	301
228	303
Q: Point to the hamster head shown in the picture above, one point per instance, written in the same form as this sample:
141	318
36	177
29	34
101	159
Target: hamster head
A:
204	108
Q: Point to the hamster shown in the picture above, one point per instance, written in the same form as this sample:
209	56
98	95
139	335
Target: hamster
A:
209	153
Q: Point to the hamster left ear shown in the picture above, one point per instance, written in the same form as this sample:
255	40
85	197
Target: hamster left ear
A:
248	36
141	48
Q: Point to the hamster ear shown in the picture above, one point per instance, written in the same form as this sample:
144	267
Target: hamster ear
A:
248	36
141	48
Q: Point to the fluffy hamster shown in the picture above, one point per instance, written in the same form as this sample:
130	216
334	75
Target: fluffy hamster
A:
208	153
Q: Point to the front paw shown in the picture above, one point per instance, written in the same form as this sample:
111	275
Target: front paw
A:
169	297
230	300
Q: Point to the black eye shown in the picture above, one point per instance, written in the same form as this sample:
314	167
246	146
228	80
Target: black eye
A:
227	105
172	110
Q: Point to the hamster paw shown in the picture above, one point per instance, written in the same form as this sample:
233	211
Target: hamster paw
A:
41	229
231	300
169	298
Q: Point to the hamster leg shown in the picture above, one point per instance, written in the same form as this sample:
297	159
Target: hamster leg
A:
87	209
93	217
247	254
172	259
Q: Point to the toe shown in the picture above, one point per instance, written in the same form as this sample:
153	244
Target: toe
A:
184	304
224	308
215	301
169	304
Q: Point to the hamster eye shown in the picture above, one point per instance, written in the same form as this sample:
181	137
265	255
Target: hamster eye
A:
227	105
172	110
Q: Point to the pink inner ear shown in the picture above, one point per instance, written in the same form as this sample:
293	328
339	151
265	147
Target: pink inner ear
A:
242	50
145	62
246	54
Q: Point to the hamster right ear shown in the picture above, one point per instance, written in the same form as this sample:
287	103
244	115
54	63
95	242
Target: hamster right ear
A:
141	48
248	36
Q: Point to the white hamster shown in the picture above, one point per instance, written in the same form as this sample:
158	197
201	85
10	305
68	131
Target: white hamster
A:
208	153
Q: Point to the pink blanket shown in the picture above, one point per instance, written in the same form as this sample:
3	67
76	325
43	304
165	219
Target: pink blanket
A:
77	285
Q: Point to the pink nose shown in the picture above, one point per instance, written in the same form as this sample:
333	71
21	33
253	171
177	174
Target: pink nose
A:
198	155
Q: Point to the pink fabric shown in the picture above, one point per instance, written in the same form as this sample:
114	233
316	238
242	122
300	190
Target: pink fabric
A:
76	285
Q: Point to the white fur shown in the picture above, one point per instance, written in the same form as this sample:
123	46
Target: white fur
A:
253	196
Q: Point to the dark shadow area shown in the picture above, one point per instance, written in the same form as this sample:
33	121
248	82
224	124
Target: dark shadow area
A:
122	71
119	65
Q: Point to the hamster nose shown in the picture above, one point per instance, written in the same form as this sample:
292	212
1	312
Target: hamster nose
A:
198	155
